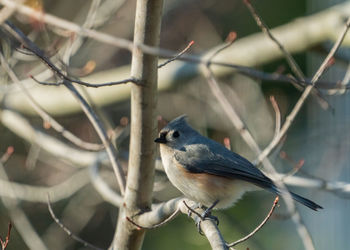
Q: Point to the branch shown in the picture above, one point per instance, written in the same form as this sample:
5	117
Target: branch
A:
101	186
7	239
142	149
208	227
65	229
248	138
290	60
29	45
7	12
177	56
258	227
19	218
164	212
111	151
30	193
307	31
290	118
339	188
277	115
45	116
159	215
22	128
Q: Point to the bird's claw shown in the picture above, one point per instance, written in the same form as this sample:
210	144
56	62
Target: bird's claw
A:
192	209
205	216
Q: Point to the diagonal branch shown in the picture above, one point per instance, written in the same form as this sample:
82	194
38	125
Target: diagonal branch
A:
45	116
290	60
66	230
111	151
258	227
290	118
29	45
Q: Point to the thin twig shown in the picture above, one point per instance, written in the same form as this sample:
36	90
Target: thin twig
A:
111	151
66	230
230	112
96	122
296	165
102	187
90	19
29	45
292	63
45	116
277	115
258	227
4	158
20	220
289	58
7	239
177	55
231	38
290	118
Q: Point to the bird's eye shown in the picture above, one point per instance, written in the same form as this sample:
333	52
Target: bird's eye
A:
176	134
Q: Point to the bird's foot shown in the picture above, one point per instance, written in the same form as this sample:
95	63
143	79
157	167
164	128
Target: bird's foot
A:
203	217
191	209
206	215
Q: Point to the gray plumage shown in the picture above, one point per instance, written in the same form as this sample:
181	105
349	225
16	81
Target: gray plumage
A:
182	145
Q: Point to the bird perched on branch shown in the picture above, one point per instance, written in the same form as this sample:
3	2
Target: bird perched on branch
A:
207	172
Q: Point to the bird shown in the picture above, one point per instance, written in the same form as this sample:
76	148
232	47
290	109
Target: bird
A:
207	172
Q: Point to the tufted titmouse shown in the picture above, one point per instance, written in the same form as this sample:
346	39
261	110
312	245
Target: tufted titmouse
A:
208	173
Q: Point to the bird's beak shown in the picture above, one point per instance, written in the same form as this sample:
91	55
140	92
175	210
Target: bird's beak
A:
161	138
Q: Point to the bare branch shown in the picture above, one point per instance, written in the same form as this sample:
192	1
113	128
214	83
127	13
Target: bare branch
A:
177	55
142	149
231	38
292	63
248	138
45	116
111	151
29	45
290	60
22	128
339	188
32	193
101	186
65	229
165	221
7	12
290	118
277	114
258	227
208	227
229	110
7	239
19	218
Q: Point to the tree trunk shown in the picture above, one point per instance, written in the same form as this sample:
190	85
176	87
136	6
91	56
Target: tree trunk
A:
138	193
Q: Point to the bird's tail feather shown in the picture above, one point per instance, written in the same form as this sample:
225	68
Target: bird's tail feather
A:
300	199
306	202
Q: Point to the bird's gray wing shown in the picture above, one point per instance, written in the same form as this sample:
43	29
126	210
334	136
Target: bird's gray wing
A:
199	158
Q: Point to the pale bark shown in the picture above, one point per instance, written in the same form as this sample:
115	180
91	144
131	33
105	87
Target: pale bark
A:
138	195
